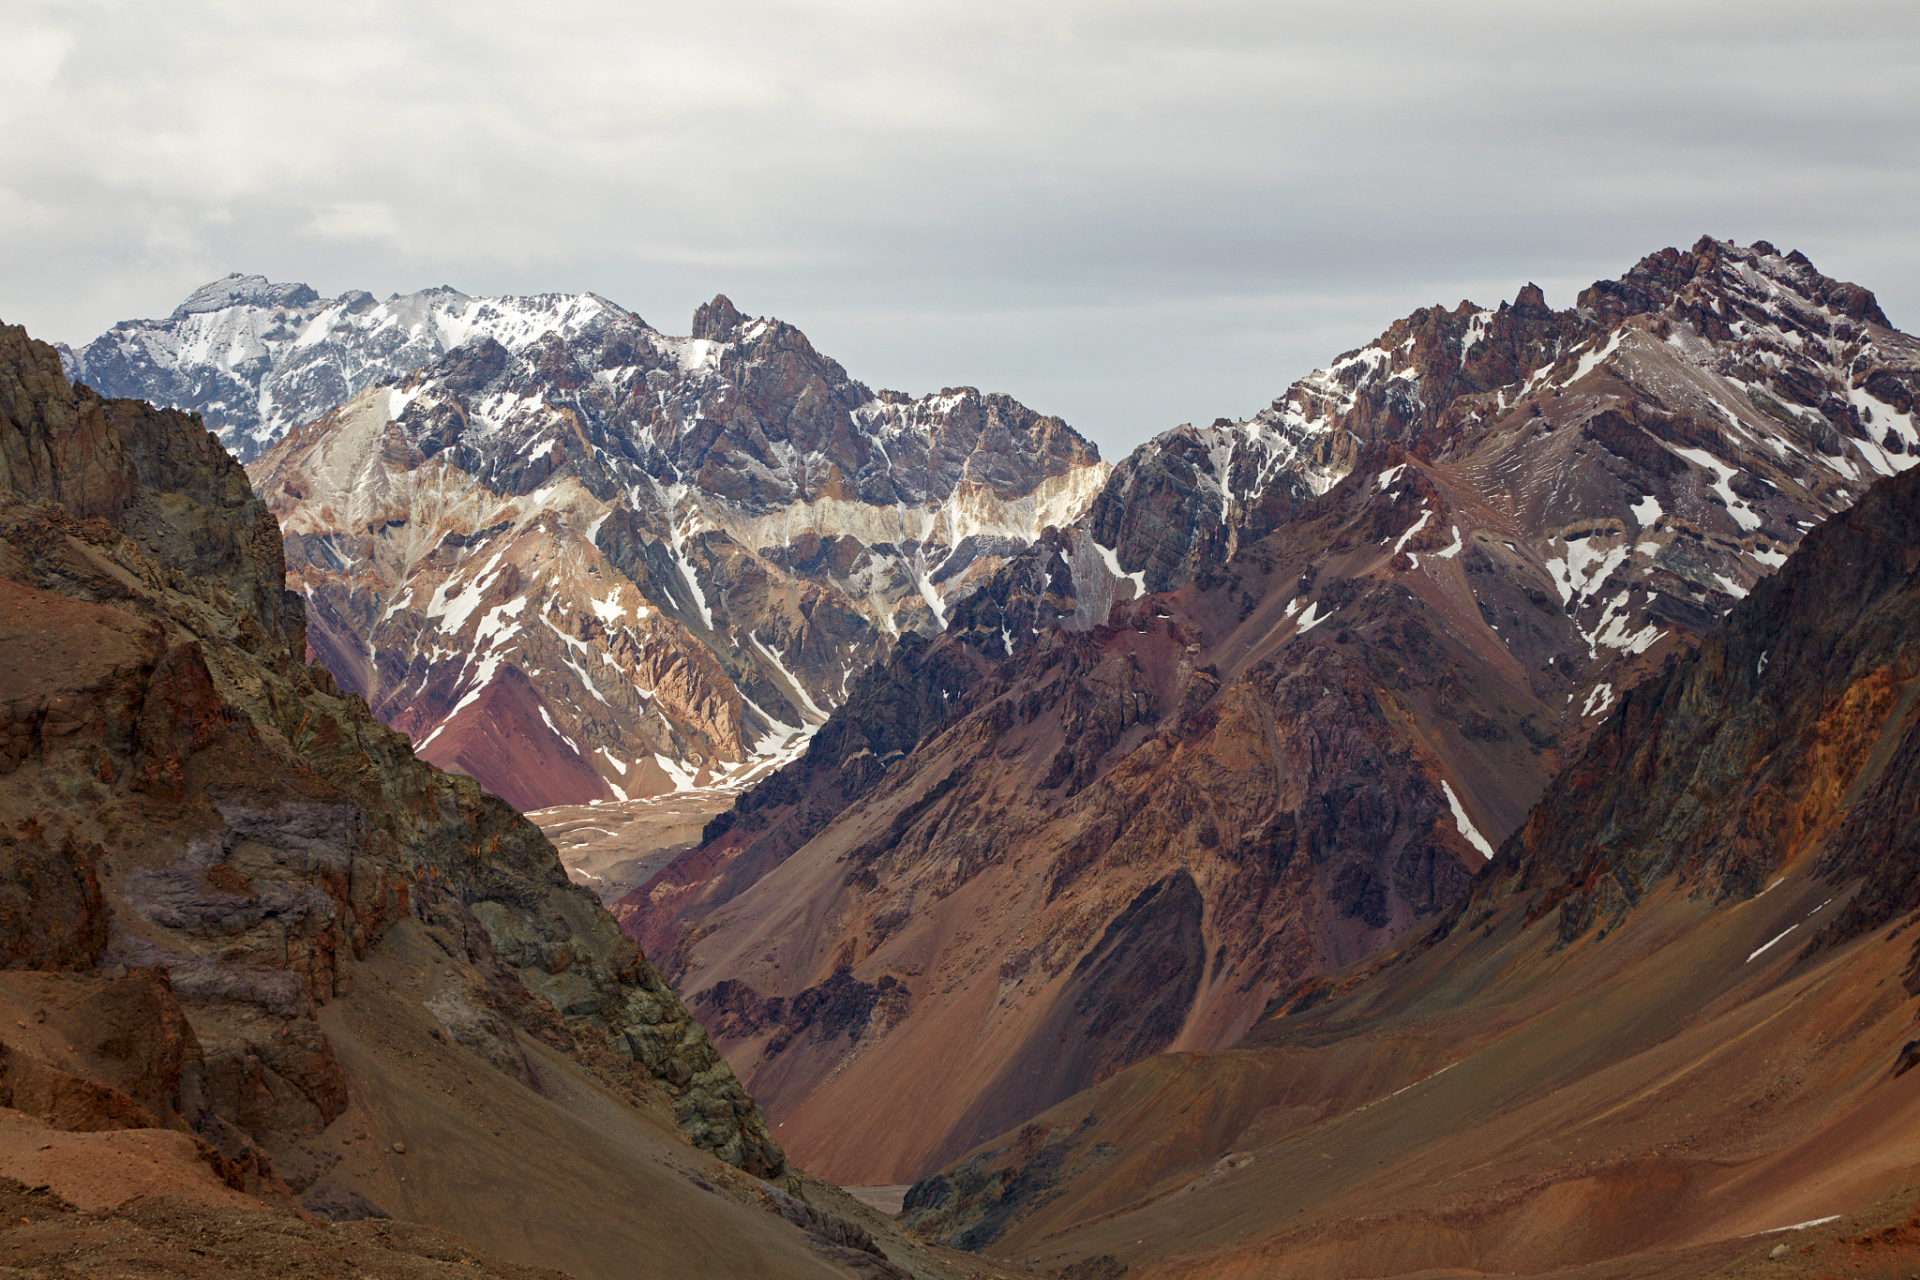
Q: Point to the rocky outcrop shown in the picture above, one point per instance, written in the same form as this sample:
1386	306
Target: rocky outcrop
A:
602	562
1387	610
195	815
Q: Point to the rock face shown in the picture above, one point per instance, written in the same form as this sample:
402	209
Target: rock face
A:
608	563
1271	703
210	836
1677	1000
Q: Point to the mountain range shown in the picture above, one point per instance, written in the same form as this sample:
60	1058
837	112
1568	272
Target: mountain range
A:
1669	1031
1457	819
267	972
1270	704
256	358
579	559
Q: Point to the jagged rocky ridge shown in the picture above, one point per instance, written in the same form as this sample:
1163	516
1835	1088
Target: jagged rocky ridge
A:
197	823
607	563
256	359
1672	1019
1386	611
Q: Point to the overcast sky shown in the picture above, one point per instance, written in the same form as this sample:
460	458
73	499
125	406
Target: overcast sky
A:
1129	214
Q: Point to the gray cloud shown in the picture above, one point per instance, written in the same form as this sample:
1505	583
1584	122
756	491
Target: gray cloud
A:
1130	214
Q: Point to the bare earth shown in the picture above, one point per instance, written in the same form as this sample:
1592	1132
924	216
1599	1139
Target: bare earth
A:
886	1199
1656	1106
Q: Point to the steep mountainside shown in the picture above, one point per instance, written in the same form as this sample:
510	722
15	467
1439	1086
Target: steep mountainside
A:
253	944
1383	613
1670	1031
617	564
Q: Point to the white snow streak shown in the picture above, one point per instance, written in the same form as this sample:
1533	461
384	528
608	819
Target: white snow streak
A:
1462	821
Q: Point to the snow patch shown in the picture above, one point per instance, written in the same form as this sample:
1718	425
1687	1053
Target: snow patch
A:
558	732
1416	527
1112	560
1593	359
1602	694
1762	950
807	703
1477	330
1462	821
678	774
609	610
1802	1226
1582	568
1736	505
495	629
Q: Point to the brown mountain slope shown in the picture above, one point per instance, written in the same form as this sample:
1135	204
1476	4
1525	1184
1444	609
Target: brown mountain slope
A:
1673	1020
1127	832
243	926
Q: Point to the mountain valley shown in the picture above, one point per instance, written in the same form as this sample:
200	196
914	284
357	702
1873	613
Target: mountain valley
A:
1461	819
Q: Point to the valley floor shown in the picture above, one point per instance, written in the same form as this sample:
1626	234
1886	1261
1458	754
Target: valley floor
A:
614	846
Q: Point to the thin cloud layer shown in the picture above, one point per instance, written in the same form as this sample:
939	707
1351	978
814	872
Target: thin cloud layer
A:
1129	214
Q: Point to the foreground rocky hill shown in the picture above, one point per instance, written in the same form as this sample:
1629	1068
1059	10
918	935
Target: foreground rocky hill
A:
1670	1030
1271	703
253	945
